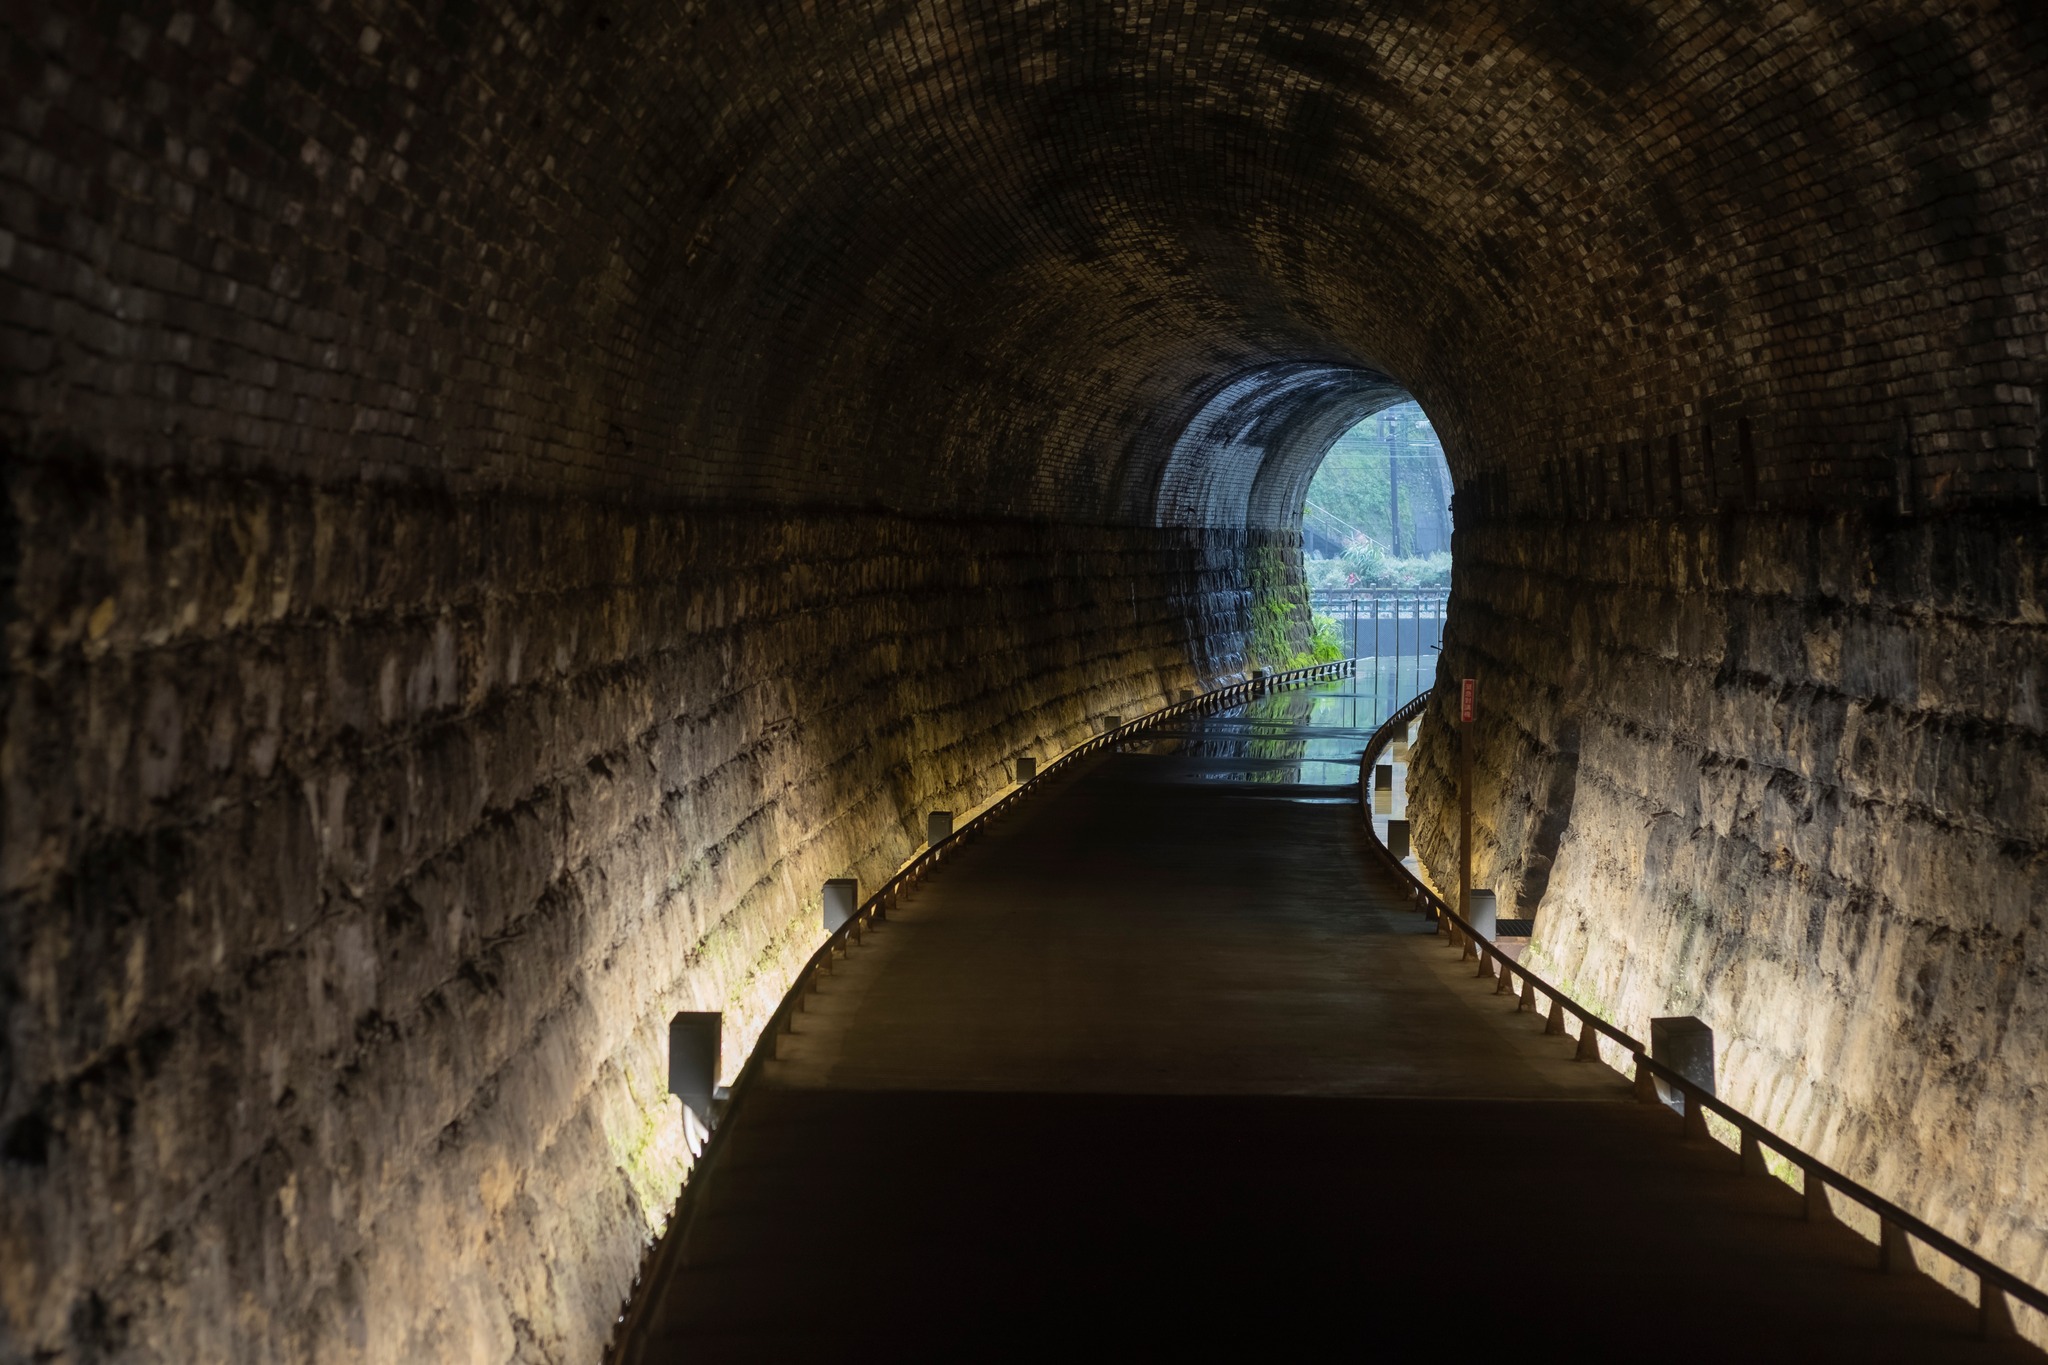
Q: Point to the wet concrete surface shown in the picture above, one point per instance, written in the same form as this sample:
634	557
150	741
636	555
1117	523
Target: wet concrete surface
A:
1164	1064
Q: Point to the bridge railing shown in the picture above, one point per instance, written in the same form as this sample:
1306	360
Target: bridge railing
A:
1897	1229
1386	623
669	1252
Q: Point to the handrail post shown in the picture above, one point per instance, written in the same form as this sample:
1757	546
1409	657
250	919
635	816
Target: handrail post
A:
1695	1113
1894	1248
1818	1209
1994	1313
1589	1041
1555	1024
1753	1162
1645	1088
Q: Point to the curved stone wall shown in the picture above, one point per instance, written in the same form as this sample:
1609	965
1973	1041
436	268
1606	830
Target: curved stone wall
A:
360	844
1790	775
502	499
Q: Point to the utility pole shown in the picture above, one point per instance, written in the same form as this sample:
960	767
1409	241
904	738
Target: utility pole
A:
1390	429
1376	657
1468	714
1432	461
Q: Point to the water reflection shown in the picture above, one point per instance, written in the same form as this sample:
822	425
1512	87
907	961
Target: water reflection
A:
1301	743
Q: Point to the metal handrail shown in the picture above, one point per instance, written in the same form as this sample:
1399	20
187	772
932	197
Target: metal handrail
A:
666	1251
1995	1284
1381	591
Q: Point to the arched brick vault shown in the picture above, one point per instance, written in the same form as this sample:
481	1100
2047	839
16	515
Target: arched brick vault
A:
505	498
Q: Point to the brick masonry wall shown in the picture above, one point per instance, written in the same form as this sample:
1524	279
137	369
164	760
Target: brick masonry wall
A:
359	845
489	365
991	259
1790	775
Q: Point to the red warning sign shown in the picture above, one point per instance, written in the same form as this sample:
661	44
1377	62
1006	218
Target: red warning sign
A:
1468	702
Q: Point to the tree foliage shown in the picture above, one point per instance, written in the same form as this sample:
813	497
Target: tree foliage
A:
1373	569
1353	483
1354	502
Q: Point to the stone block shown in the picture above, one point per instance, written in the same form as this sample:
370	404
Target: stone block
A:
694	1039
1484	914
841	900
1686	1045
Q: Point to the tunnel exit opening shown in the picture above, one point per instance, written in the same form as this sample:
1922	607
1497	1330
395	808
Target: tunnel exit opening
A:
1376	547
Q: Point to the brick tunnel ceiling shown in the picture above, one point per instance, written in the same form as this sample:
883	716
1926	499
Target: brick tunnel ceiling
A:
513	497
998	258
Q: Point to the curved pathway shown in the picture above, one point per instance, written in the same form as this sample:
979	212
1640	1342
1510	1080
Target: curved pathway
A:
1164	1066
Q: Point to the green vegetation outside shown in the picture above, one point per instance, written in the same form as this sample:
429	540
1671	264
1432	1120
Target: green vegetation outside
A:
1367	566
1378	513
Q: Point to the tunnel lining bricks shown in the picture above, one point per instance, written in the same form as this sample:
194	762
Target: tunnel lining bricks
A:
1620	482
496	251
523	809
352	166
1907	798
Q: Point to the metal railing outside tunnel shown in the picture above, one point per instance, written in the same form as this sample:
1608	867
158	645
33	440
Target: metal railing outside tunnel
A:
1385	622
1897	1229
1395	634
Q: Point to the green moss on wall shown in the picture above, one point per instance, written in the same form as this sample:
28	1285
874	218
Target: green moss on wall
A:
1283	630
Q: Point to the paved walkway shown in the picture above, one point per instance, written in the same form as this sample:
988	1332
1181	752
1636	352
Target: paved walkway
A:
1162	1066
